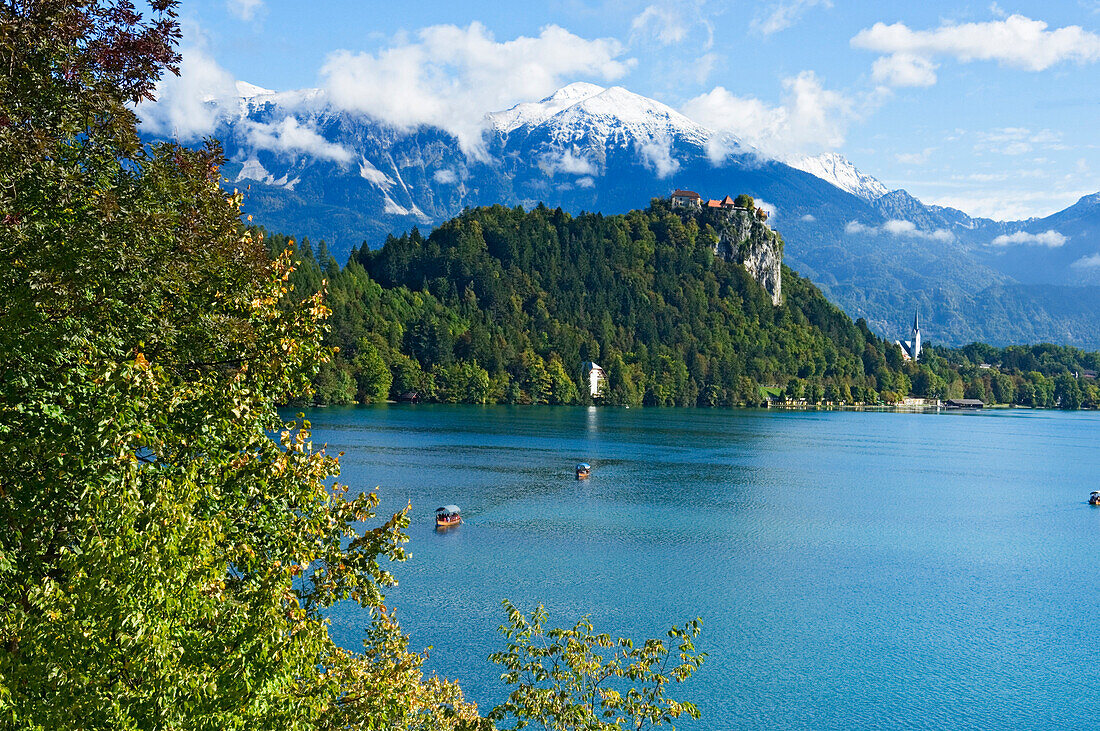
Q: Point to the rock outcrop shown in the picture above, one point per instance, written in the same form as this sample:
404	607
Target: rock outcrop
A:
745	239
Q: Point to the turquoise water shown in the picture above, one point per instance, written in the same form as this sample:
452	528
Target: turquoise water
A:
852	570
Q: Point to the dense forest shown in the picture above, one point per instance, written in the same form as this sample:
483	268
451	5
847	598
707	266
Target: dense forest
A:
504	305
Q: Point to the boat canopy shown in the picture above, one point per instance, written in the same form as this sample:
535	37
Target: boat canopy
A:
584	466
448	509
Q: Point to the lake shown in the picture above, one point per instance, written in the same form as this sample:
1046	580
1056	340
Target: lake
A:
852	569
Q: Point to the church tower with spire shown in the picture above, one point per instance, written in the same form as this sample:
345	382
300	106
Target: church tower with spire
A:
916	336
911	348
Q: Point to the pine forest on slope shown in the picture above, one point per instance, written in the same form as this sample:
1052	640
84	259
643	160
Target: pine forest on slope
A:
504	305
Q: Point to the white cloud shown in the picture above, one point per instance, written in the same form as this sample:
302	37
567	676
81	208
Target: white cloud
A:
188	106
904	69
810	119
1015	41
769	208
1007	204
449	77
809	218
290	136
1051	239
661	23
776	16
1017	141
445	177
900	229
657	154
914	158
569	162
671	22
1087	262
244	9
586	183
703	66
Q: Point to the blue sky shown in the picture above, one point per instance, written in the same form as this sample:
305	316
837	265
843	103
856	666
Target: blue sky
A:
990	108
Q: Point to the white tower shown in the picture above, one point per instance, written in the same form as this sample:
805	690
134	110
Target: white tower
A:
916	336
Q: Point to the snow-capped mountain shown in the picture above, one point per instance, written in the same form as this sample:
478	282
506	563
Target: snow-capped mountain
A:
589	112
834	168
308	168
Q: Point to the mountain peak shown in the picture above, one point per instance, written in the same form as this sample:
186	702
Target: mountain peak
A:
532	114
577	91
246	90
832	167
582	110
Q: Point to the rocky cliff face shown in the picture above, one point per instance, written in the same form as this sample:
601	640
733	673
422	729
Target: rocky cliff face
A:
749	241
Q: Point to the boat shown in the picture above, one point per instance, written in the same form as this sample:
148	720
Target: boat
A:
447	516
583	471
1094	498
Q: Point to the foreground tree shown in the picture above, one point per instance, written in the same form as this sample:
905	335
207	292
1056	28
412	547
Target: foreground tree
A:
163	562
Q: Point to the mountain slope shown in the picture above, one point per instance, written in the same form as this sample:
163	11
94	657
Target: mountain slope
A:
838	170
352	181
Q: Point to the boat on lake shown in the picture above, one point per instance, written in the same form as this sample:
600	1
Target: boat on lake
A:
1094	498
584	470
447	516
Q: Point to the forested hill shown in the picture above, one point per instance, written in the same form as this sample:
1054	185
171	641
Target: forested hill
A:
505	305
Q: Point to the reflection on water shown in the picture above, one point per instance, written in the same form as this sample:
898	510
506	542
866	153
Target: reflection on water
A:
853	570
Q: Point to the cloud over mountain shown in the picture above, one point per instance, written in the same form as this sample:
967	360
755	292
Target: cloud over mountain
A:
1051	239
810	119
449	77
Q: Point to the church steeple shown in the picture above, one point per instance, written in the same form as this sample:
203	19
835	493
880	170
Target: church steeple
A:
915	353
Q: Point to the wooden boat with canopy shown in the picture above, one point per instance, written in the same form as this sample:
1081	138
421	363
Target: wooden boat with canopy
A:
447	516
584	470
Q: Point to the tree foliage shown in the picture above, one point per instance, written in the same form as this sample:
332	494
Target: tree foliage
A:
164	563
578	679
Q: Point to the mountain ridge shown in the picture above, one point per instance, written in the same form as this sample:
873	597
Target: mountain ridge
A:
346	178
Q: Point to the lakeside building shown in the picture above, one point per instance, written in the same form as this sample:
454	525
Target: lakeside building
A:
965	403
596	378
910	349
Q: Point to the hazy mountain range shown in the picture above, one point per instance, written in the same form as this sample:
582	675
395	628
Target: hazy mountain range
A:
313	171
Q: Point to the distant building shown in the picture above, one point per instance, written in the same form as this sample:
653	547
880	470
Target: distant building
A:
596	376
686	199
965	403
910	349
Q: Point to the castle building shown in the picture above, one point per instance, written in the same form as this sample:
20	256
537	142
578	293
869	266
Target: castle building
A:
910	349
686	199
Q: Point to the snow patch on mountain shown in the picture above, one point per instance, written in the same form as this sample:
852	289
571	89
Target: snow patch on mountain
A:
367	171
252	169
834	168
